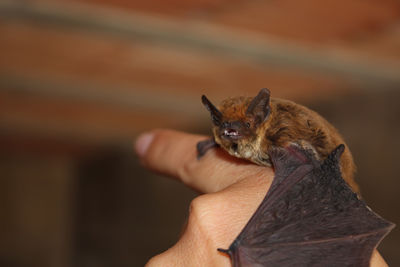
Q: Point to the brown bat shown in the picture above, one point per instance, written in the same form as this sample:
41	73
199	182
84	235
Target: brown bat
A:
248	127
310	215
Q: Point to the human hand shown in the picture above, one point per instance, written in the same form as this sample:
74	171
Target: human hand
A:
232	190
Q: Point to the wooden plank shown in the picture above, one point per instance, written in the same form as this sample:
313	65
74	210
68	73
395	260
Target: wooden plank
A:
312	21
72	55
118	64
206	38
81	120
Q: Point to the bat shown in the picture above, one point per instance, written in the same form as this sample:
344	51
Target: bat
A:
312	214
247	127
309	217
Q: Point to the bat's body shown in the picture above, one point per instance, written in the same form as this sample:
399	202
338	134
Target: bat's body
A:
248	127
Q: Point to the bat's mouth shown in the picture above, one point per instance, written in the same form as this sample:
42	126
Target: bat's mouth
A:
232	134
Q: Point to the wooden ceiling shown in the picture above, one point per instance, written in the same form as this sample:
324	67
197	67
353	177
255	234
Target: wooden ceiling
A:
107	70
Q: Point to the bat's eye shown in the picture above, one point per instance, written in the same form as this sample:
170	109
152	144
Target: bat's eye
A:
248	124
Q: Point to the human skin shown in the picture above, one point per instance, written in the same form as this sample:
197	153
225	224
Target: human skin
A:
231	190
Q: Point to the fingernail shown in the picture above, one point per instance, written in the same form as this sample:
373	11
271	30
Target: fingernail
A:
142	143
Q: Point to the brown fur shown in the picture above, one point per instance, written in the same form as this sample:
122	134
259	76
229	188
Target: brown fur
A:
286	124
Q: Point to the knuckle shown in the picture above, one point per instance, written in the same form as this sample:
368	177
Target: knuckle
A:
155	261
202	212
206	219
199	207
187	170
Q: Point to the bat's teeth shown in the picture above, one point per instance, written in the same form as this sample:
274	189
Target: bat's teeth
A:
231	132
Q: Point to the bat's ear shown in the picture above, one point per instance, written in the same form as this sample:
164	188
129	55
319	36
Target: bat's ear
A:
259	106
216	115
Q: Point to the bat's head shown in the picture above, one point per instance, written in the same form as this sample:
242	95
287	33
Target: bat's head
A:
237	122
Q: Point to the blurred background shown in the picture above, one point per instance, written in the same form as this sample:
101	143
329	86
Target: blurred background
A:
79	80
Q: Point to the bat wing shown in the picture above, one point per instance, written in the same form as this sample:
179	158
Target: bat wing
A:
309	217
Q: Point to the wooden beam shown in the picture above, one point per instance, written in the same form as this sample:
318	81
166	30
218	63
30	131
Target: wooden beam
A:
366	73
82	120
131	99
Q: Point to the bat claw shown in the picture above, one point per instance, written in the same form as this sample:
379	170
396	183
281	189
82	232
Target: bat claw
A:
204	146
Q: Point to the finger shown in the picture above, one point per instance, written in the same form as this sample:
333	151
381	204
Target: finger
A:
214	222
174	153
